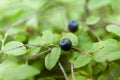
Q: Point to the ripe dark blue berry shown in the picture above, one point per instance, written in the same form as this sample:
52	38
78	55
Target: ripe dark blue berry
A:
73	26
65	44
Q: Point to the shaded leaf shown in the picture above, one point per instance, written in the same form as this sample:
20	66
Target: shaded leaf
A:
78	76
103	77
114	70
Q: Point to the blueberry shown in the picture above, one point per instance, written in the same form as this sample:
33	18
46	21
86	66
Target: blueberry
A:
65	44
73	26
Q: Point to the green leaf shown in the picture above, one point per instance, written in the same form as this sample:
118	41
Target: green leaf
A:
72	56
72	37
78	76
114	70
85	41
34	40
46	78
114	29
95	4
12	31
99	67
52	58
96	47
81	61
103	77
19	37
115	4
110	52
12	72
16	52
34	50
47	37
92	20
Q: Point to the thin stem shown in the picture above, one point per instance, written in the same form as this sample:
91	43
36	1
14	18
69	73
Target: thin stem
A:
36	45
26	45
81	51
87	14
93	32
35	56
63	71
72	72
3	41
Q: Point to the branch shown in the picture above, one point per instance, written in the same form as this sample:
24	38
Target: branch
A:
81	51
72	72
26	45
63	71
35	45
29	45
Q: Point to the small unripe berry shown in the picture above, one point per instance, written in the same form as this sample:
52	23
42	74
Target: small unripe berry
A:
65	44
73	26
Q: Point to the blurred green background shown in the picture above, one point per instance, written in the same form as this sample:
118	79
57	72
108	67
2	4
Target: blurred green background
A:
28	19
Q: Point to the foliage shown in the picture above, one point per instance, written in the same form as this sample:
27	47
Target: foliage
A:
30	31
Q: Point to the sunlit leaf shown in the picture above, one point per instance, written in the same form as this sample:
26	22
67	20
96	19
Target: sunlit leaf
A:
72	37
10	48
114	29
47	37
81	61
52	58
13	72
109	52
92	20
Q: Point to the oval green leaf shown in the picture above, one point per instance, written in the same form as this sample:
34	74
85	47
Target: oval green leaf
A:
81	61
16	46
92	20
52	58
114	29
110	51
21	72
47	37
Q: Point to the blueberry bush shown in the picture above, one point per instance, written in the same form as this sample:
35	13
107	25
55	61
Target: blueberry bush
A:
59	39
